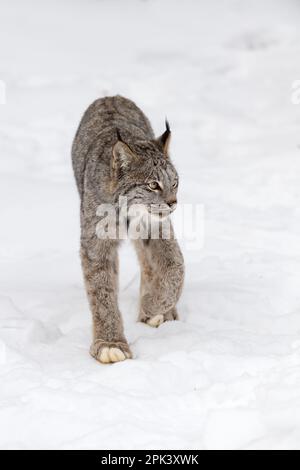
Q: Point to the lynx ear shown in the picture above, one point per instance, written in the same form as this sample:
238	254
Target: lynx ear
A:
164	139
122	155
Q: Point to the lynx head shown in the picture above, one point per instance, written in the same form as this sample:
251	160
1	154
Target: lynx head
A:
144	173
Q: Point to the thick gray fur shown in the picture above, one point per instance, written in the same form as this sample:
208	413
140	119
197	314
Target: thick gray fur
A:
114	154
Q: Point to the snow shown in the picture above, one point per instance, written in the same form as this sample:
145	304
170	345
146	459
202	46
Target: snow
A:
227	375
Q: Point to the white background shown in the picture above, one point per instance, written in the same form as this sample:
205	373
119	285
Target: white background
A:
227	375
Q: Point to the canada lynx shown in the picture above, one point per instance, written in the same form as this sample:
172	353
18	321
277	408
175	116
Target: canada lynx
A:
115	154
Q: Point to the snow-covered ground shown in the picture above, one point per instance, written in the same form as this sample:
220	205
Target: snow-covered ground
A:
227	375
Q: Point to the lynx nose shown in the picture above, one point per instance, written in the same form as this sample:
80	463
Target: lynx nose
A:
172	204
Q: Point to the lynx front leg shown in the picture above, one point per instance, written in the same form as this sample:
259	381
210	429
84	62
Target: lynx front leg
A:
100	268
162	273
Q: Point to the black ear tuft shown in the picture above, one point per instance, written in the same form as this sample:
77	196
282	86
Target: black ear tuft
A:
165	136
164	139
167	125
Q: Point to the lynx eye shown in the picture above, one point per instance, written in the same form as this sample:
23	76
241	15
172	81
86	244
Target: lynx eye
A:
175	184
153	185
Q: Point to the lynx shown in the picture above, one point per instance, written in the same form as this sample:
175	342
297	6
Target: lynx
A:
115	154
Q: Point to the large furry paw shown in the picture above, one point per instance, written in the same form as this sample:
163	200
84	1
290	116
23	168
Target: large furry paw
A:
108	352
156	320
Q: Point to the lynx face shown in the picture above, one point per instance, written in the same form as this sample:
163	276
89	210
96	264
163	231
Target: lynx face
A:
146	176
